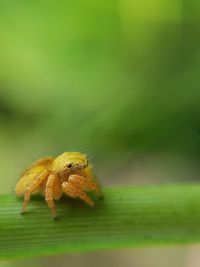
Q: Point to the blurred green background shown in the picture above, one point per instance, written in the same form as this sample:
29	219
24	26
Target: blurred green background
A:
117	80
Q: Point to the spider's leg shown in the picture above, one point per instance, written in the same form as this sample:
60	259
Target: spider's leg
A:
74	192
49	193
88	173
84	184
57	188
35	183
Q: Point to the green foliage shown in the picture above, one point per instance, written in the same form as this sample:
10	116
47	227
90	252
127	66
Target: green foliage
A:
125	217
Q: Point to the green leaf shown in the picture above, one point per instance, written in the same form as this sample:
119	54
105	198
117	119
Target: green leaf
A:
125	217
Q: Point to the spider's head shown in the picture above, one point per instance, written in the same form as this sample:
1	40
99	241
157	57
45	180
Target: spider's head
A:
70	161
76	161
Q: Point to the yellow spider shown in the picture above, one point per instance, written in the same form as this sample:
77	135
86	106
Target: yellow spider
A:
68	173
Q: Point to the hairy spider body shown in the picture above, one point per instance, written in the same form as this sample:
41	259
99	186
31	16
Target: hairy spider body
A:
68	173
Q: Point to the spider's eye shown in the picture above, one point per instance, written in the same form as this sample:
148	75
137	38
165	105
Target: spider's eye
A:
69	165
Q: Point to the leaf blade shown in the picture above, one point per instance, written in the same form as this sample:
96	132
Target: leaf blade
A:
126	217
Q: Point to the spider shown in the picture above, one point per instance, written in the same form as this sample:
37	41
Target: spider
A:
69	173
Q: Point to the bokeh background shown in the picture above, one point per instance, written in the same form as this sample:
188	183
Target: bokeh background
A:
117	80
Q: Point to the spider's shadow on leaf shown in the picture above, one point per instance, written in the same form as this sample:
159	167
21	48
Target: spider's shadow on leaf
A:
66	205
